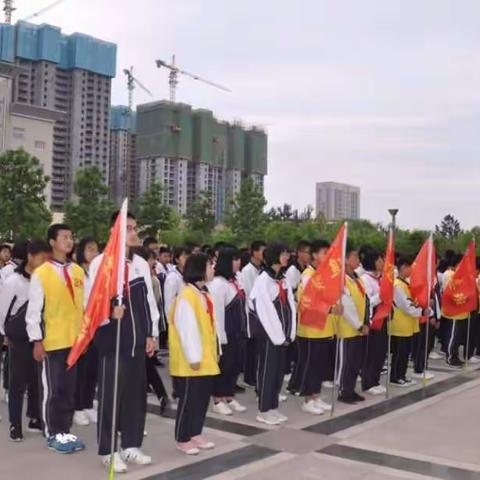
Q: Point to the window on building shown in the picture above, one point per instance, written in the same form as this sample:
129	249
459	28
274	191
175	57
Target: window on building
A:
18	133
40	144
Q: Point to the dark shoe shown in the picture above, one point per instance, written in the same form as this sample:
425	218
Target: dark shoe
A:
16	433
455	363
347	399
239	389
357	397
35	426
164	404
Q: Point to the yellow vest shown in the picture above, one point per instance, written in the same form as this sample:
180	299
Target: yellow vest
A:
357	292
310	332
62	317
447	277
179	366
403	325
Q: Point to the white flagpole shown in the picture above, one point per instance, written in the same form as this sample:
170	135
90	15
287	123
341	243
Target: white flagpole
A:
120	280
429	289
389	328
337	343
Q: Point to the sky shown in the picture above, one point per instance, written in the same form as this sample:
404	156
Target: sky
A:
383	94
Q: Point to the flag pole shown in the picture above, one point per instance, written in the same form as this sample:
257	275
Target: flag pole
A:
120	280
336	321
389	351
429	290
465	364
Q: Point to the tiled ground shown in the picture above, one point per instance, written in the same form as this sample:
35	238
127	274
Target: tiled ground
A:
431	433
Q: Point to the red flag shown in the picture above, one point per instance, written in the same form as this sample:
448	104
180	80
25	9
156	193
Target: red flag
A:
386	285
460	294
108	285
424	276
325	287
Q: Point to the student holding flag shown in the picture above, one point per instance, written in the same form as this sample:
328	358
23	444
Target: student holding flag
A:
53	318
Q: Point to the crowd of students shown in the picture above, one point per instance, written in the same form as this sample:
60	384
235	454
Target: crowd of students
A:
223	314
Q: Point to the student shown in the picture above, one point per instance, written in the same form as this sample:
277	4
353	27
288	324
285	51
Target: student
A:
248	275
302	261
19	252
54	316
274	327
87	365
316	347
405	323
351	326
162	268
174	280
230	317
193	354
138	317
23	369
5	254
376	343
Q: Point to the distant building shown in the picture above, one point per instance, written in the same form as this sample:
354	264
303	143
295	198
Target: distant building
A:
337	201
189	151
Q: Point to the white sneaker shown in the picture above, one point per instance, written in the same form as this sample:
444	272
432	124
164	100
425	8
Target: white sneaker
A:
435	356
377	390
327	384
473	360
287	378
91	415
280	416
282	398
118	464
80	419
428	375
222	408
188	448
312	408
380	389
268	418
135	455
409	382
323	405
236	406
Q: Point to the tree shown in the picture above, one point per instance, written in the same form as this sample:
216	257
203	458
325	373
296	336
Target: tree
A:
24	213
200	217
90	214
153	215
449	228
245	216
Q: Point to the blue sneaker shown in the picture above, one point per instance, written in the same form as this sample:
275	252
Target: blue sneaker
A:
60	444
76	443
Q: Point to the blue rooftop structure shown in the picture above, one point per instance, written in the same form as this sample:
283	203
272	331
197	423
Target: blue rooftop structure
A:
122	119
47	42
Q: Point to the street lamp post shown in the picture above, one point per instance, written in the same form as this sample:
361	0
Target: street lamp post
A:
393	212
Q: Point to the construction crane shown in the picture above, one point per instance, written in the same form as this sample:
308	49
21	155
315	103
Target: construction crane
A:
173	77
43	10
8	8
131	82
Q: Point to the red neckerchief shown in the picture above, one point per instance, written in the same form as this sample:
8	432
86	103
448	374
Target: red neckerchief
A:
240	292
282	293
66	276
209	304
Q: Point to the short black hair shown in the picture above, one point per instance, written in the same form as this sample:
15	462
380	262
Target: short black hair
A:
5	246
223	267
350	248
403	261
81	248
218	246
53	230
35	247
369	259
195	268
164	250
19	250
179	251
143	252
302	245
256	246
148	241
272	253
115	214
319	244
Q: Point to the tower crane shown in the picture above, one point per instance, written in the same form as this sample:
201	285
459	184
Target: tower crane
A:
8	8
173	77
131	83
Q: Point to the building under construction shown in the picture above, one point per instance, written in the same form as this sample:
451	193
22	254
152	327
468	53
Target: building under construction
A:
189	151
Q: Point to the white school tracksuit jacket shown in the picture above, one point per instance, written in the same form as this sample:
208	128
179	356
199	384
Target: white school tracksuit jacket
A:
16	285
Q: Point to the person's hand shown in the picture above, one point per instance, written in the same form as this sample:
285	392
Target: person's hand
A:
337	309
5	341
195	366
150	347
39	353
118	312
365	330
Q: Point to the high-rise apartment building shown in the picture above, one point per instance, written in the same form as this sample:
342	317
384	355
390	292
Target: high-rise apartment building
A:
337	201
189	151
69	74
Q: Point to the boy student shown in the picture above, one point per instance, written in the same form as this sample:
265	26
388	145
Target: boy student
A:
174	281
138	317
316	347
405	324
274	327
54	316
351	326
303	260
23	369
193	354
